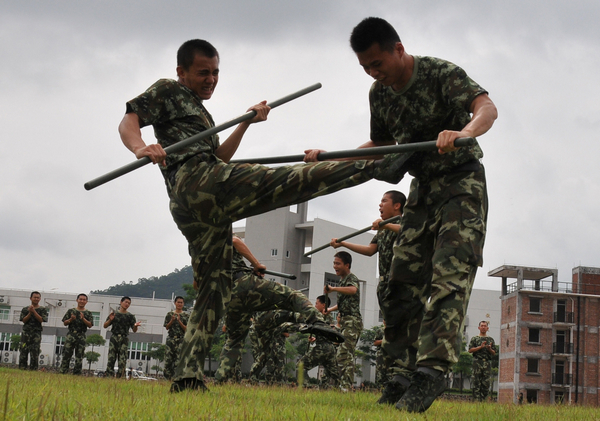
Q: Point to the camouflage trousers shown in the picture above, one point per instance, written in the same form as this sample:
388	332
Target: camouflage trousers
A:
270	357
74	344
171	355
482	372
433	269
206	196
117	350
251	294
351	329
322	354
30	347
382	368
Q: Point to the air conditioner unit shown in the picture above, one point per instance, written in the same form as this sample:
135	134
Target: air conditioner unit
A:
60	303
44	359
4	299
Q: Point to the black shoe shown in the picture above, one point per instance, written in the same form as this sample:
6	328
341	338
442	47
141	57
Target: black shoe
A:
393	167
423	390
392	393
320	328
188	384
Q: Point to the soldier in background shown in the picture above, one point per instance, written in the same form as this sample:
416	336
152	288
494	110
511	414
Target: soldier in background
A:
350	318
483	350
121	322
176	324
32	317
323	352
79	320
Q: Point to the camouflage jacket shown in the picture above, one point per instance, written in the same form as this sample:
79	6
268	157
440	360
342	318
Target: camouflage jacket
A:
121	323
349	305
176	331
77	326
32	325
483	354
437	97
385	242
176	113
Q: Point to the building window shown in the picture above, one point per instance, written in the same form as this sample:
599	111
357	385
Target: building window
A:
5	341
532	396
273	252
96	318
559	397
535	305
533	365
4	313
137	351
534	335
287	253
60	344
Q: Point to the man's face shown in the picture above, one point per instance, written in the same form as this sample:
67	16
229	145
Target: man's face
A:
35	299
384	66
179	304
483	328
125	304
202	76
82	301
387	209
340	268
319	306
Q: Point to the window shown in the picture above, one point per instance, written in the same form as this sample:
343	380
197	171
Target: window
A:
535	305
559	397
137	351
60	344
534	335
287	253
533	365
532	396
96	318
273	252
4	313
5	341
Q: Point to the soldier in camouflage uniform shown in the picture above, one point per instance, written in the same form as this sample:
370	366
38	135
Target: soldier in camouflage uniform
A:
251	293
350	318
79	320
322	351
483	349
32	317
207	193
381	365
121	322
440	245
176	324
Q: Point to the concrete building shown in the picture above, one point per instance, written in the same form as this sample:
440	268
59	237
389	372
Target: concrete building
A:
549	343
148	311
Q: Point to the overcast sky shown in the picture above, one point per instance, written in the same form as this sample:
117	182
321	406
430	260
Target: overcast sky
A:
68	67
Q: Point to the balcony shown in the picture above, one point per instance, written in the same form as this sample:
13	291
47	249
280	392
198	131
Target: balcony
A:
564	317
562	379
562	348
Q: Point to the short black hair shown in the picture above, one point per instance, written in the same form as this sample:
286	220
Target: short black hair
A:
373	30
322	298
126	298
397	197
179	297
34	292
345	257
188	50
85	295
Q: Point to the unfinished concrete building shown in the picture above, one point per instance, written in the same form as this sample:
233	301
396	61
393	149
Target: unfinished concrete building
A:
549	344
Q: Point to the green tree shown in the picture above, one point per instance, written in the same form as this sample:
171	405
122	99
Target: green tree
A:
91	357
15	340
463	367
190	293
156	351
93	340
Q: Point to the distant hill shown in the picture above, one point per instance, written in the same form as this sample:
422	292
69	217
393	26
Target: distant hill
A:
162	287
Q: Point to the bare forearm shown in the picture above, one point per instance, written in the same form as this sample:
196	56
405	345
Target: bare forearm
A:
228	148
484	114
369	250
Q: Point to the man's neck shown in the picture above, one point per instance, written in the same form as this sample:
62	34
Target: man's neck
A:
80	308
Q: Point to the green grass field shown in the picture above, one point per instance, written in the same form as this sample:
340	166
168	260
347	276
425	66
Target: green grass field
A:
49	396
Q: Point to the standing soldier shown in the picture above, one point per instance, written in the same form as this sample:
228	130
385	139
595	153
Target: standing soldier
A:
79	320
120	321
176	324
350	318
482	348
32	317
381	368
323	352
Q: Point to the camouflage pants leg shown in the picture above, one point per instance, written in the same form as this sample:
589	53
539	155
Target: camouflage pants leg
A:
351	329
207	197
173	351
435	260
382	368
482	371
74	344
238	325
322	355
275	366
30	347
117	351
